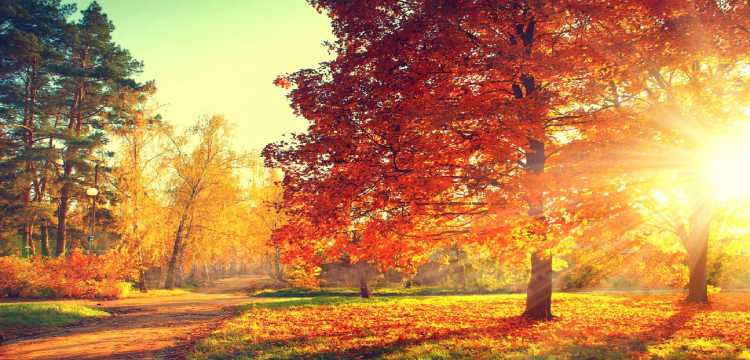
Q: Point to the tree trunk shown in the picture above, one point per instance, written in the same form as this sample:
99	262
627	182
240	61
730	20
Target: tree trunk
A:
74	128
142	287
207	274
28	228
28	122
364	288
179	277
277	271
539	291
44	223
697	253
44	237
29	239
62	215
174	259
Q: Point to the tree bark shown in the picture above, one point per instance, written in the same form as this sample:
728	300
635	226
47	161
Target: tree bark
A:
173	260
28	228
539	291
697	253
29	239
364	288
44	223
142	287
75	122
44	238
28	123
174	271
62	216
277	271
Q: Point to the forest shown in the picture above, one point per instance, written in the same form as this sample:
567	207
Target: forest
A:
96	185
490	179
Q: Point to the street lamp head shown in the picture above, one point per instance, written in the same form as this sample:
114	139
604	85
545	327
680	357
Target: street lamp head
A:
92	191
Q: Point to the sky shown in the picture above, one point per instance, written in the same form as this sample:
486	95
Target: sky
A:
221	57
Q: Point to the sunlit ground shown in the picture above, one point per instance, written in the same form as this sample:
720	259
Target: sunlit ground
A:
134	293
486	327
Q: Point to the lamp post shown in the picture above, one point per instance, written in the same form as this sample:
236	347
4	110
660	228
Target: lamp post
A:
92	192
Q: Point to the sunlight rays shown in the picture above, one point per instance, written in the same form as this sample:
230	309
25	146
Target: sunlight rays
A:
727	167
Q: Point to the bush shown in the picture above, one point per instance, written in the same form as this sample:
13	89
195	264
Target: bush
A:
16	278
73	276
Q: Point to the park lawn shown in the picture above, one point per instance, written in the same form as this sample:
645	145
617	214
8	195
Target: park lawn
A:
32	318
129	290
587	326
156	293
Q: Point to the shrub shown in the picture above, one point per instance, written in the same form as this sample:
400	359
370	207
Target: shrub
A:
16	277
76	276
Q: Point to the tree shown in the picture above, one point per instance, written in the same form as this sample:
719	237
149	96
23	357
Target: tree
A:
435	114
442	118
685	91
136	175
266	195
196	173
224	239
67	95
96	70
31	49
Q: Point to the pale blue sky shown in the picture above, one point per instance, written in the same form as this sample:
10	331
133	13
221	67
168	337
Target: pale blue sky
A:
221	56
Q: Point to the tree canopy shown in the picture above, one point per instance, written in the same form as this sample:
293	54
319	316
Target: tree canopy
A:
485	121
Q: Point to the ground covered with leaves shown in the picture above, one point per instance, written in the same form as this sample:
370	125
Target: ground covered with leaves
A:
485	327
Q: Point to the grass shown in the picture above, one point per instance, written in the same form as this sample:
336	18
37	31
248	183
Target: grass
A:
16	318
284	325
292	297
306	302
157	293
378	292
129	290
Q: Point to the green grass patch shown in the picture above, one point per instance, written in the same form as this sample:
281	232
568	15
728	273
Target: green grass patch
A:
130	290
44	315
134	293
377	292
307	301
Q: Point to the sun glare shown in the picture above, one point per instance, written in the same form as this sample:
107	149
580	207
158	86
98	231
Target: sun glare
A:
727	167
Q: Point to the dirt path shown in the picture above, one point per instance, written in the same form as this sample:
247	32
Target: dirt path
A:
140	328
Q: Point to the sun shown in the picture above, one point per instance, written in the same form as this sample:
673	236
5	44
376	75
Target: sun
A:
726	166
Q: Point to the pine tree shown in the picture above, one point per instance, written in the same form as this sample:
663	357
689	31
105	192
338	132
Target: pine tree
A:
29	46
97	69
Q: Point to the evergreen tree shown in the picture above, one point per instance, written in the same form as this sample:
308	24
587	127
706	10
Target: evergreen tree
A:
30	40
59	83
97	70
